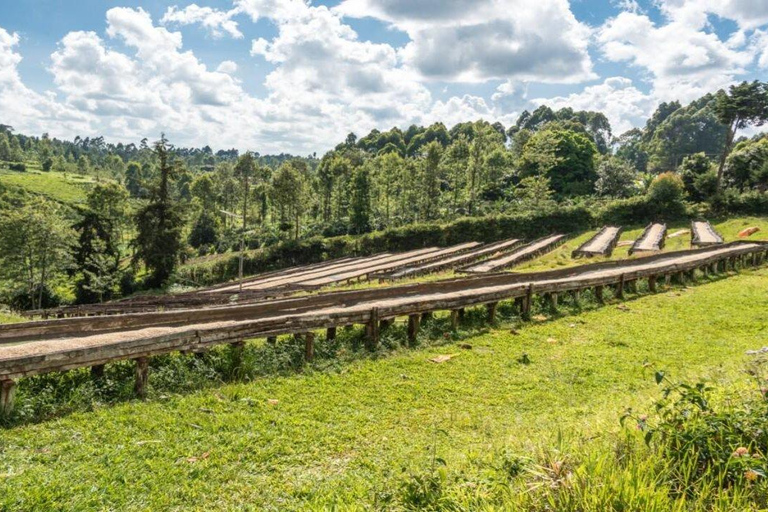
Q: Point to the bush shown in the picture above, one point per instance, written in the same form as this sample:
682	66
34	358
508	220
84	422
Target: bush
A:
18	167
21	300
639	210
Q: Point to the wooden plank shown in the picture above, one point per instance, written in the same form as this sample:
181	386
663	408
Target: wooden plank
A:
142	376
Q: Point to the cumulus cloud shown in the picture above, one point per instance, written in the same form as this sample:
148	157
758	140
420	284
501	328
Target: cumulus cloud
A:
217	22
25	109
682	60
479	40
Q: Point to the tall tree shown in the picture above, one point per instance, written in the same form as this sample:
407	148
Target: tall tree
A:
743	105
360	216
34	247
158	240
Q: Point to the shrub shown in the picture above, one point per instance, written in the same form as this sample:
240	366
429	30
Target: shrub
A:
18	167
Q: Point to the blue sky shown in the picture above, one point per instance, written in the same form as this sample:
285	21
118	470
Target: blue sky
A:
284	75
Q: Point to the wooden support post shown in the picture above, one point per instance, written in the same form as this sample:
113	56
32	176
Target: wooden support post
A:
620	287
330	334
553	300
237	347
492	311
667	280
272	340
413	327
599	293
7	392
454	319
372	330
142	376
681	278
528	303
576	296
462	314
97	372
309	346
652	284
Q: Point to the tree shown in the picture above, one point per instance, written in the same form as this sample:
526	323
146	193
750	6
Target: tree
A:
666	191
97	258
204	231
360	216
690	171
615	178
34	247
134	181
744	105
566	157
110	202
159	222
533	194
289	192
744	164
430	187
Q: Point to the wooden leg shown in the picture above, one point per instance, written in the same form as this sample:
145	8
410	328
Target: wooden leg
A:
576	297
309	346
553	300
97	372
528	303
330	334
7	392
142	376
454	319
237	347
652	284
599	294
620	287
492	311
372	330
413	327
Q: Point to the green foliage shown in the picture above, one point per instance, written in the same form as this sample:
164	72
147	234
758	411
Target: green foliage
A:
360	208
567	158
34	248
615	178
667	190
97	259
744	167
159	224
204	232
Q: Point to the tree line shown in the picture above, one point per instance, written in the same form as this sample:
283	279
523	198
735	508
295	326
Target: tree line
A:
155	205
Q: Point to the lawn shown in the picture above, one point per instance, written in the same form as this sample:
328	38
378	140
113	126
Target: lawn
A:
353	435
65	188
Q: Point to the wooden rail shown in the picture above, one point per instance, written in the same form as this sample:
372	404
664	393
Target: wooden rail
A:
65	344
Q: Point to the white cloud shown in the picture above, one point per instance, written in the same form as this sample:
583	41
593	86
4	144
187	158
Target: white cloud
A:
749	14
26	110
682	60
624	105
216	21
479	40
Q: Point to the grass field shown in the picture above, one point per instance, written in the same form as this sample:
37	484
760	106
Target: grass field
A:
369	433
65	188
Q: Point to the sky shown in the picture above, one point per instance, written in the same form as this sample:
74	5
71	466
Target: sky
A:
291	76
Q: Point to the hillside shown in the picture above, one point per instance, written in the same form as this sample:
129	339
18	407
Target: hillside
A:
368	431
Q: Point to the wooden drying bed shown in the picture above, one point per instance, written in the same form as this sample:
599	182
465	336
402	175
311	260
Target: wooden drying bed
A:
602	244
652	239
524	253
703	234
474	255
64	344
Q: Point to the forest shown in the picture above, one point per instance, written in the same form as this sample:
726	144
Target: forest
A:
139	215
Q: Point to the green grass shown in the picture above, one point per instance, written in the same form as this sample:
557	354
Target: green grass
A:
66	188
376	431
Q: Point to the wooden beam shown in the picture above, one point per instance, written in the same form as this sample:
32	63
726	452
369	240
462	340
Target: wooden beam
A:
142	376
7	393
330	334
413	327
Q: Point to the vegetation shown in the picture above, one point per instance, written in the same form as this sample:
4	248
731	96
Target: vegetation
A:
392	190
520	418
